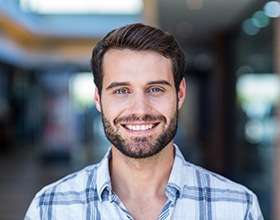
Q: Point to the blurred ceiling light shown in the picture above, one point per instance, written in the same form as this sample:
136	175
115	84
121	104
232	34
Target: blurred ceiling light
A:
195	4
82	6
260	19
272	9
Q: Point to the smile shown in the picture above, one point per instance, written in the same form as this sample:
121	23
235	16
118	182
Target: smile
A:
140	127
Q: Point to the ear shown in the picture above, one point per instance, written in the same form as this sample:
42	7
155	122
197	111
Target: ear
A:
181	93
97	99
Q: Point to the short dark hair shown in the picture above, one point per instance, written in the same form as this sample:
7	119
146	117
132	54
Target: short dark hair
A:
139	37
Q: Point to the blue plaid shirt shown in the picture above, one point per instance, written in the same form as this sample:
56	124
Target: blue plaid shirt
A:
193	193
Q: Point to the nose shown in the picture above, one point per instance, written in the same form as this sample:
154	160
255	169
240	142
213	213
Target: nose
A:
139	104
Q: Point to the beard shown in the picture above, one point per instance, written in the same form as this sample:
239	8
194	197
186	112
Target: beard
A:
140	147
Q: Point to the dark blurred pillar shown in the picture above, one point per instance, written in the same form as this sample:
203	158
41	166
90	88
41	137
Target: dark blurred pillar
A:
218	130
223	110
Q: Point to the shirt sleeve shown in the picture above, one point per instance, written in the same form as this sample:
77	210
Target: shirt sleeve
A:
33	211
256	212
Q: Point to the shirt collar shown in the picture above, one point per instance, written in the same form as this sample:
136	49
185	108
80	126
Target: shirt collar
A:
174	186
177	178
103	180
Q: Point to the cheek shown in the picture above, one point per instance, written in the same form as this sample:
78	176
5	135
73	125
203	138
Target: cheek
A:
111	109
165	106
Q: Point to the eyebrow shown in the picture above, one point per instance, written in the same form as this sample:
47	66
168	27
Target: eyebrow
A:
160	82
118	84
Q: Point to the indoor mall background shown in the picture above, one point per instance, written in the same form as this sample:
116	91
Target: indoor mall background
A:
49	126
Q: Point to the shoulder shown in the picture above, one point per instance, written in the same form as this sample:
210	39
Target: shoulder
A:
224	195
69	193
77	187
74	182
211	194
189	176
223	192
213	181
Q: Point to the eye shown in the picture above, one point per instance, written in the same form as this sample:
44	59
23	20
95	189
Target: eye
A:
156	90
121	91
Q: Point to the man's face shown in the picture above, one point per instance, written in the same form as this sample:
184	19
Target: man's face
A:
139	102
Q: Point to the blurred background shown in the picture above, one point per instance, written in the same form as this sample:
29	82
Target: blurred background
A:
49	126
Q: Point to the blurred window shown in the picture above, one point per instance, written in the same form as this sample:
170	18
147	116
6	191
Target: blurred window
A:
82	6
82	91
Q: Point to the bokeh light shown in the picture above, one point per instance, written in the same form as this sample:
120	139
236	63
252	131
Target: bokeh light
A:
272	9
195	4
249	27
260	19
82	90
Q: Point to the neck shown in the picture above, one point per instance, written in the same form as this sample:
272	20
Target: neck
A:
139	177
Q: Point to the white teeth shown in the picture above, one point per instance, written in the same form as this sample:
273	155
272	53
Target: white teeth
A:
139	127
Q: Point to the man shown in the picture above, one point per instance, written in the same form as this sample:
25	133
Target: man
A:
140	86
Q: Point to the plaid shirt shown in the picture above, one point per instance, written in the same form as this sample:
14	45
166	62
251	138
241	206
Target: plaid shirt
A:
193	193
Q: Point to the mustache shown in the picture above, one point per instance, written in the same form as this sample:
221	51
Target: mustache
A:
145	118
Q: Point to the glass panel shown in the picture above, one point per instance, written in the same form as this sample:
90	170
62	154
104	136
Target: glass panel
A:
82	6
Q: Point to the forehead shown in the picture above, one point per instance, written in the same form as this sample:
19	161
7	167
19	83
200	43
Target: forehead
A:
136	65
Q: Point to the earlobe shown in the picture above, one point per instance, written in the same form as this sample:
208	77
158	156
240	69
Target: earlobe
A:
97	99
181	93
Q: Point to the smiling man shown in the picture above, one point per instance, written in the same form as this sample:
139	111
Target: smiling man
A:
136	117
140	86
